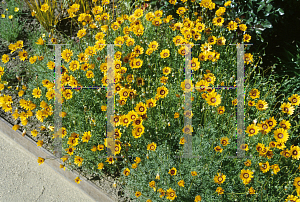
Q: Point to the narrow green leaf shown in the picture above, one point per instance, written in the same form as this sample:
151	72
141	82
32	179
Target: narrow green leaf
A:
267	24
281	12
269	7
260	7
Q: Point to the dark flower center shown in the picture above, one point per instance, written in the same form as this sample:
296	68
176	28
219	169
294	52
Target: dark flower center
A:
141	109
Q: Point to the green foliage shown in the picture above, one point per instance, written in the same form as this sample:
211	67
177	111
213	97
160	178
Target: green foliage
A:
10	29
84	113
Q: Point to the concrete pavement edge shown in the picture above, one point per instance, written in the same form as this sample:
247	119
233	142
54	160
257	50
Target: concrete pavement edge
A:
28	144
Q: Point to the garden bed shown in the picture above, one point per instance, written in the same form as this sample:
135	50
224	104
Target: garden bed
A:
155	105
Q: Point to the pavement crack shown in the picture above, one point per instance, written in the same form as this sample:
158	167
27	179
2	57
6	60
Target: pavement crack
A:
41	194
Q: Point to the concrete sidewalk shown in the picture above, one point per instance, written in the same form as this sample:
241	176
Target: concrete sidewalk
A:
23	179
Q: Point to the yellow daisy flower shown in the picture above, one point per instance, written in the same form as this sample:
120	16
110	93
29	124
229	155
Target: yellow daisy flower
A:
219	178
281	135
294	99
287	108
232	26
261	105
246	176
246	38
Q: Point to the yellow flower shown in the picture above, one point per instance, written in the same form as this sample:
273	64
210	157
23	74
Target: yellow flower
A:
171	194
194	173
243	27
62	166
68	94
251	190
32	59
67	54
247	37
40	143
227	3
172	171
44	7
126	172
181	183
244	147
77	180
252	130
264	167
218	149
37	93
2	15
221	41
81	33
205	3
287	108
213	99
165	53
89	74
297	182
15	127
141	108
295	151
151	147
254	93
172	2
219	178
86	136
64	158
246	176
294	99
275	168
90	51
248	163
16	9
5	59
219	190
285	124
224	141
34	133
198	198
40	41
232	25
248	58
100	165
10	17
205	47
187	86
138	194
162	92
23	55
221	110
181	10
261	105
40	160
78	160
